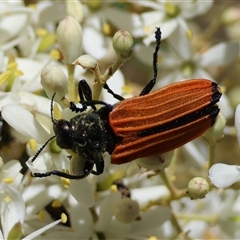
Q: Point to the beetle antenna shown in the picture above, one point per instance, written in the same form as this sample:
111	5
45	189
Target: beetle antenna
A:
53	121
40	150
152	82
155	54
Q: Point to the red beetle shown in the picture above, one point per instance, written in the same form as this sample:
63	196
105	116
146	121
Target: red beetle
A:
150	124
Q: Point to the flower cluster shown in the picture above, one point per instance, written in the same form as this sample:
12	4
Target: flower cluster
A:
46	48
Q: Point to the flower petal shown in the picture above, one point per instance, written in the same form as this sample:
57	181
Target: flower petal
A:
151	219
237	122
223	175
12	208
24	122
82	191
220	55
180	43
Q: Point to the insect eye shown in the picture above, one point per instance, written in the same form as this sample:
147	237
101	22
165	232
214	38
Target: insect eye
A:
63	130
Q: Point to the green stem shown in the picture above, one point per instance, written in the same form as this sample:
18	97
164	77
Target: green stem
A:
211	218
101	79
71	83
175	224
168	184
211	155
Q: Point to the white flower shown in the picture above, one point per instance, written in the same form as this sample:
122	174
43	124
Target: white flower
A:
223	175
12	209
54	80
19	118
11	33
169	15
183	63
69	37
95	43
218	206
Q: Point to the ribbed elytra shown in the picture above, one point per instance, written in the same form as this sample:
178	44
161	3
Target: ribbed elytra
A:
164	120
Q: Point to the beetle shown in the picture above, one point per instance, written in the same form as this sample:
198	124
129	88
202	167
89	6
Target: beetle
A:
149	124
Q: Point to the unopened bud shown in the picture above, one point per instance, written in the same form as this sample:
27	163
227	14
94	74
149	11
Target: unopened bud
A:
123	43
215	133
69	37
87	62
75	9
54	80
198	188
230	15
158	162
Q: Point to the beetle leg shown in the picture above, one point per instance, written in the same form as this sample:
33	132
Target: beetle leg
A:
147	89
76	109
109	90
99	167
85	104
85	93
88	168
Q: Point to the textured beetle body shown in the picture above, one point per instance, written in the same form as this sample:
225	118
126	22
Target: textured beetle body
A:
163	120
150	124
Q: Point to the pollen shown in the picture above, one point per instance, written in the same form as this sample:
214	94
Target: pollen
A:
106	29
33	144
152	238
65	182
64	218
171	10
7	199
189	34
147	29
8	180
114	188
55	54
126	89
41	32
56	203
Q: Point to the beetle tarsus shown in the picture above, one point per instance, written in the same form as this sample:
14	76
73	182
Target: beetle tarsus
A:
109	90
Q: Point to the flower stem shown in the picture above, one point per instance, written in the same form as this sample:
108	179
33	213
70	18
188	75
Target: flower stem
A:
211	155
176	224
100	80
71	83
168	184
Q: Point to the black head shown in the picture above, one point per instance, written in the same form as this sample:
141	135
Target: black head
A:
63	130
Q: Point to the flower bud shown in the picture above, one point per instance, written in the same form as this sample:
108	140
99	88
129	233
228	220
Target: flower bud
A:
215	133
198	188
158	162
230	15
54	80
87	62
69	37
123	44
75	9
126	210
